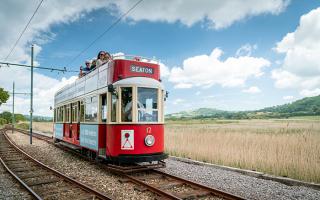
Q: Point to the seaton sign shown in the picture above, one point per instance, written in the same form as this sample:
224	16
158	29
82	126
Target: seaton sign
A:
139	69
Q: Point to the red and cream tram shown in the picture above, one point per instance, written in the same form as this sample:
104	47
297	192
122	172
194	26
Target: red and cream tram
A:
115	112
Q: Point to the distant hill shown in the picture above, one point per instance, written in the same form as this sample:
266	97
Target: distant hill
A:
204	112
303	107
37	118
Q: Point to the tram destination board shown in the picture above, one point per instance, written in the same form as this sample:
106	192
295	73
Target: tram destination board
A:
140	69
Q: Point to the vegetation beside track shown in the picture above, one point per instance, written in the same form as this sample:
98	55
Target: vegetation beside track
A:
288	148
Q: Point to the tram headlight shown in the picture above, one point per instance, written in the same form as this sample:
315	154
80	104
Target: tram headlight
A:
149	140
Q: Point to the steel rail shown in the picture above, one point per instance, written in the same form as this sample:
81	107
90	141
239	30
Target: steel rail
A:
162	192
64	177
212	190
35	195
158	191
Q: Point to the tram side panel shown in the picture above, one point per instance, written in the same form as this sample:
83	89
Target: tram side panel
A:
93	137
89	136
58	131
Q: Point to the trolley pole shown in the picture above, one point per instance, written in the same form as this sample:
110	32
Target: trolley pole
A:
31	95
13	119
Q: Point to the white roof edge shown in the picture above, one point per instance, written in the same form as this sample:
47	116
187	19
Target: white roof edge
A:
139	81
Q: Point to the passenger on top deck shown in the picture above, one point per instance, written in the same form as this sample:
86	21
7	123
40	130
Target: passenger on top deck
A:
87	69
80	73
102	58
93	64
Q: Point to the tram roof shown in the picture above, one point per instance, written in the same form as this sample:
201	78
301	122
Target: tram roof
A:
100	78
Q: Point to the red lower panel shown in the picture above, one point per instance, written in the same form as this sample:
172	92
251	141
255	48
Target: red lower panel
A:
72	133
66	130
140	132
102	136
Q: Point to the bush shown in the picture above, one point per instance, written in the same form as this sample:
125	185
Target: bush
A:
23	126
3	121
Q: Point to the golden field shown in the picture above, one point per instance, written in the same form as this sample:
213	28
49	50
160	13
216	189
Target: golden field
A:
289	148
43	126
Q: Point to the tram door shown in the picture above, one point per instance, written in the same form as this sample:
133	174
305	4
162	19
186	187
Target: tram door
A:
103	125
67	129
75	123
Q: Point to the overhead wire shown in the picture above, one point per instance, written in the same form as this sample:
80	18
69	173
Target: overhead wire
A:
106	31
63	70
25	28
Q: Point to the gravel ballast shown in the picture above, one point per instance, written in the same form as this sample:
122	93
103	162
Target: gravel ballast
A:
10	189
79	169
238	184
233	182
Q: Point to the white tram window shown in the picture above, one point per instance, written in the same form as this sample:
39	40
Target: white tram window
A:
74	112
113	108
62	113
126	104
147	104
58	114
81	111
67	112
54	115
91	114
104	108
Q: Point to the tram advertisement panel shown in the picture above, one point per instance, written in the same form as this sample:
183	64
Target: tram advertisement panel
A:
58	131
89	136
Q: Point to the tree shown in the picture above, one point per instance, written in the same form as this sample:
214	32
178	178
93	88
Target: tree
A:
19	117
4	96
7	116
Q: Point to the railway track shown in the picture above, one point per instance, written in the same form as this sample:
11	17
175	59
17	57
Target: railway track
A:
173	187
41	181
164	185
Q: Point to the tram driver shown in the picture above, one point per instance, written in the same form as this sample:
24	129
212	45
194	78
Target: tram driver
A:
127	104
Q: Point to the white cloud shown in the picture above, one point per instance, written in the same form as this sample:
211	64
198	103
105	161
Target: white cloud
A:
310	93
164	70
44	89
178	101
16	14
183	86
252	90
301	47
208	70
246	50
301	66
288	97
215	13
13	17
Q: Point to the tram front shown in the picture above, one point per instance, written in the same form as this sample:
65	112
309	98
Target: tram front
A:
135	132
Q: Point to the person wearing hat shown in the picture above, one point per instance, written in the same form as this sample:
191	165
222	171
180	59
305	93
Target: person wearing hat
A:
87	69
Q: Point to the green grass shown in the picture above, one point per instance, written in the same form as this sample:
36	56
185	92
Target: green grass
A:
314	117
24	126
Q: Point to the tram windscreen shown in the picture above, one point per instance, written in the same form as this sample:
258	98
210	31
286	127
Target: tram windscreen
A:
147	104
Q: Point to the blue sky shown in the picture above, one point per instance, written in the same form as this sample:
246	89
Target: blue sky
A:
185	33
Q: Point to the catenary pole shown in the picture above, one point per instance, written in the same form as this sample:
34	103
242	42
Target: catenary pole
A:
13	119
31	95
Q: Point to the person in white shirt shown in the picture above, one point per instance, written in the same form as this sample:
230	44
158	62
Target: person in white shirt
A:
102	58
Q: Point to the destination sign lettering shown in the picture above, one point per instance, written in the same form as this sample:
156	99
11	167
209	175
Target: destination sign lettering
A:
138	69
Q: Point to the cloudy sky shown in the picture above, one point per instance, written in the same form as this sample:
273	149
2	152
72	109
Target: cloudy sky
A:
230	55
